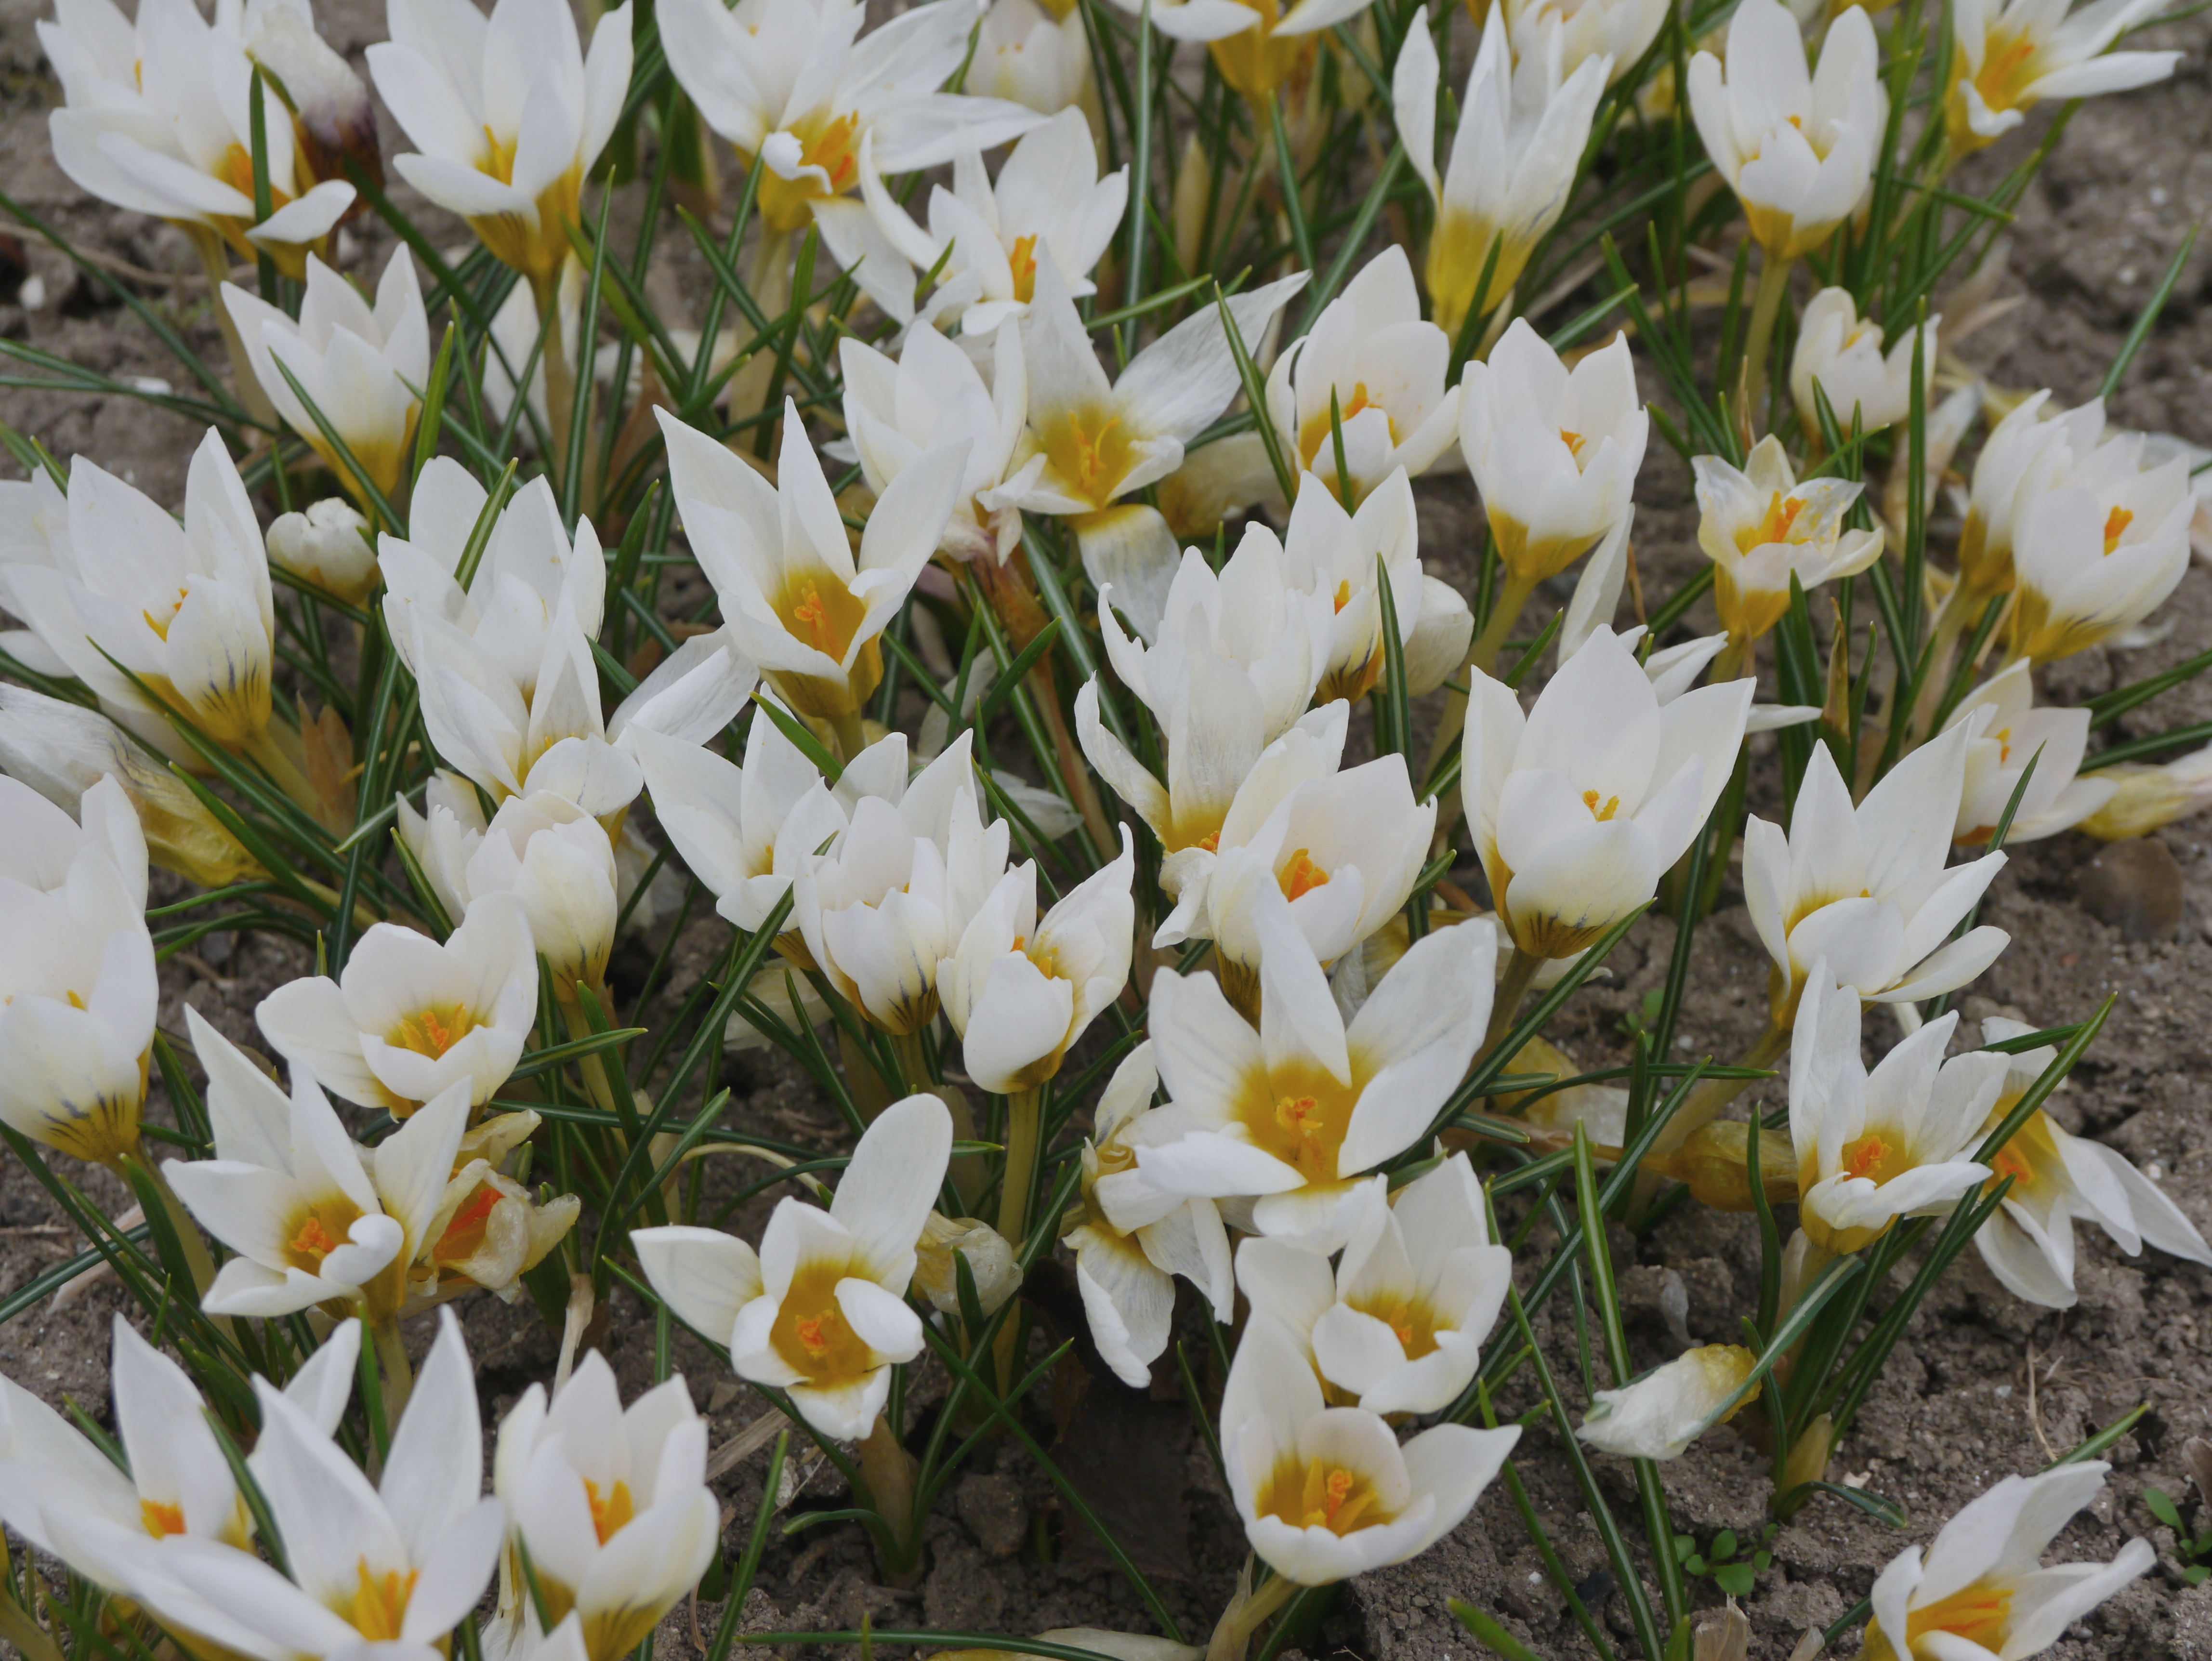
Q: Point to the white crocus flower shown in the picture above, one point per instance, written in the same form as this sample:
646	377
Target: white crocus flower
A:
787	82
2150	797
610	1502
1417	1290
2013	54
1296	1111
1864	887
1025	55
2014	734
886	906
1521	133
157	118
542	849
312	1216
822	1312
2058	1178
124	591
1327	1493
399	1563
1344	851
67	1497
986	241
1370	352
507	114
1095	440
1233	662
1659	1414
899	413
1135	1237
1620	30
1334	555
2030	452
1796	148
327	544
363	370
1760	527
409	1018
1981	1593
797	602
1019	989
78	991
1554	452
2099	552
1895	1142
1840	352
1580	806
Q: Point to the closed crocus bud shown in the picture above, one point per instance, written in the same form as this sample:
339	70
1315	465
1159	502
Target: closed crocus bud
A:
1521	133
1371	354
361	370
506	116
990	1262
1760	527
544	850
1027	56
2147	797
1660	1414
1798	149
2030	452
1437	646
611	1503
77	987
2011	735
332	120
1622	31
1981	1586
327	545
1840	353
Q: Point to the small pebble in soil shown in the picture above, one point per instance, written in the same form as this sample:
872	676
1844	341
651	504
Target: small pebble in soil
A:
2135	886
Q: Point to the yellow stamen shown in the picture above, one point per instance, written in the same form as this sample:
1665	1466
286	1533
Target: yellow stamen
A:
161	1520
1301	876
433	1029
1021	258
609	1514
1343	593
380	1602
1315	1496
2116	525
1600	813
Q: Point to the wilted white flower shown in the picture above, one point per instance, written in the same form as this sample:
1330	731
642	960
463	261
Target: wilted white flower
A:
1840	352
507	113
1659	1414
821	1312
1327	1493
409	1018
1874	1146
78	992
1371	354
1522	130
1796	148
1135	1237
2148	797
1981	1589
363	370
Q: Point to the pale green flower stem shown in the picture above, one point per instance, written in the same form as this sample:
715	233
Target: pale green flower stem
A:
1252	1608
392	1364
889	1471
214	259
1766	309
